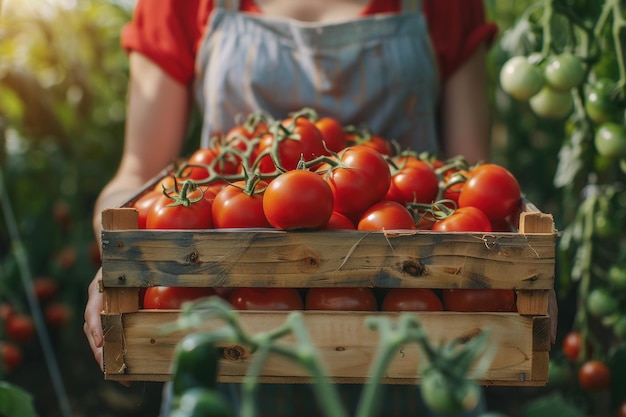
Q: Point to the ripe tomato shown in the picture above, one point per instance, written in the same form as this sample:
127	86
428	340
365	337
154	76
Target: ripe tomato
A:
221	162
573	347
165	298
610	140
493	189
234	206
11	356
57	314
564	71
338	221
621	412
520	78
20	327
551	104
298	138
6	311
594	376
464	219
414	183
298	199
361	179
411	299
144	203
346	299
192	212
386	215
333	133
45	288
249	298
479	299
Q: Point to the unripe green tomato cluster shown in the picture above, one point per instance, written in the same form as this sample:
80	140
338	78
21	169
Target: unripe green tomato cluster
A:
546	88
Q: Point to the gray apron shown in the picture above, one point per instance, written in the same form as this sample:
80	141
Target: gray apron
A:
375	70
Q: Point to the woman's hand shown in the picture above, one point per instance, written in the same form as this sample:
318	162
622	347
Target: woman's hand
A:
93	325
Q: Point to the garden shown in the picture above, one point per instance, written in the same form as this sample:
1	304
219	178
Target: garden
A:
557	89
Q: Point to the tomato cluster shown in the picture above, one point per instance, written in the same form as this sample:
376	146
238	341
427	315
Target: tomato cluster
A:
18	327
307	172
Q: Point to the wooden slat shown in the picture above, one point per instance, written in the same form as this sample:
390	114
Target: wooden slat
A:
346	345
341	258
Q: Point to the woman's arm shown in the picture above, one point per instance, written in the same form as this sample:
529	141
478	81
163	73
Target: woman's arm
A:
465	111
157	115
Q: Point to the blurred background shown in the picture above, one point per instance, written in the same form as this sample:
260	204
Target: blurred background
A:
63	80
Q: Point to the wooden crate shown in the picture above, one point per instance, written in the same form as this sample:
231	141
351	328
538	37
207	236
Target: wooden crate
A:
135	349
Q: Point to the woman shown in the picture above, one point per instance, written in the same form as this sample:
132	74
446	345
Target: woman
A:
412	72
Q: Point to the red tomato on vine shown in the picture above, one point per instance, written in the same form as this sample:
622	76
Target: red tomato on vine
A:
464	219
360	179
594	375
235	206
386	215
492	189
298	199
187	210
416	182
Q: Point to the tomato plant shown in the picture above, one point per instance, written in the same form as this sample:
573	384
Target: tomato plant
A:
594	375
165	297
342	298
386	215
479	299
492	189
360	178
411	299
207	161
253	298
240	204
298	199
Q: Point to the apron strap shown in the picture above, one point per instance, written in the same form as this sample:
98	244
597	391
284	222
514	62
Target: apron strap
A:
230	5
411	6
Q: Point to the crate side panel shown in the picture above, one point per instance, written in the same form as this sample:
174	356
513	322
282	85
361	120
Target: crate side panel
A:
310	259
346	344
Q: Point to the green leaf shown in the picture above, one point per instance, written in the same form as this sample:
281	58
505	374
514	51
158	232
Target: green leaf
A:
15	402
553	405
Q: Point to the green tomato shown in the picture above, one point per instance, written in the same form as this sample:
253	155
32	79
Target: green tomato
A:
610	140
619	327
202	402
448	396
564	72
559	373
601	303
599	103
551	104
617	277
520	79
195	363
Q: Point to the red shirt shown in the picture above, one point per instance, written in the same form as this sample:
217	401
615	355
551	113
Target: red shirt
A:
170	32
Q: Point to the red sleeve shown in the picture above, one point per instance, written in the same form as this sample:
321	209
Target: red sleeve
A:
457	28
168	32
